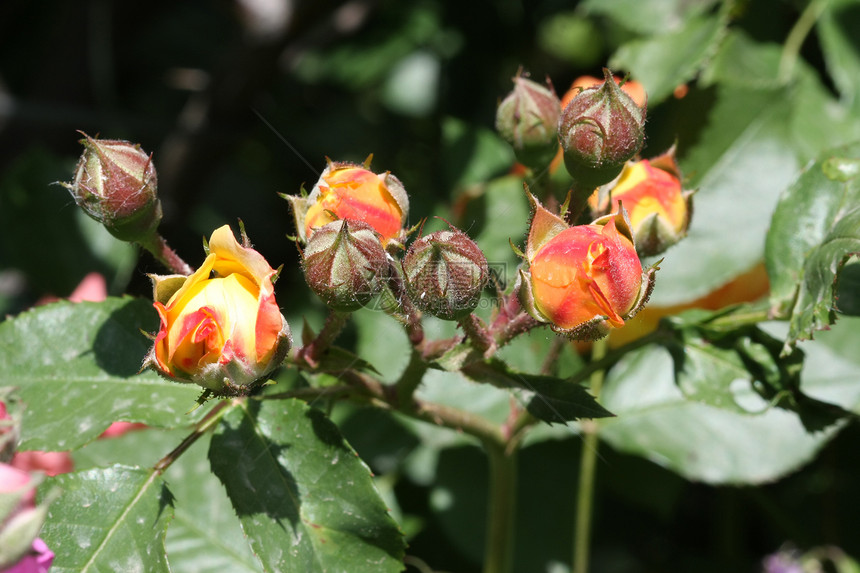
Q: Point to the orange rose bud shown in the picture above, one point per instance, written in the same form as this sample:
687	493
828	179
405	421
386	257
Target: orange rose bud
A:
115	183
659	209
528	119
600	130
353	193
634	89
221	327
583	280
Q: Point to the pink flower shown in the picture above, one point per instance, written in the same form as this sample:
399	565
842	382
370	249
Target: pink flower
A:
39	559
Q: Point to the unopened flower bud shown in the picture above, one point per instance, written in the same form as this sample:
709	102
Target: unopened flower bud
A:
354	193
528	119
345	264
659	210
600	130
221	327
20	522
582	280
445	274
115	183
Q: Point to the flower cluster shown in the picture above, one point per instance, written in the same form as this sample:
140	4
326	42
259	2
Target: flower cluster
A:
352	222
221	328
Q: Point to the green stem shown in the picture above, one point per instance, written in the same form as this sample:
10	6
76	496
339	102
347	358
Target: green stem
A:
796	37
499	549
410	379
207	423
588	464
579	195
165	255
748	315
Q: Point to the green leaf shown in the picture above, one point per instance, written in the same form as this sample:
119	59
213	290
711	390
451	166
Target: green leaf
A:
815	230
664	62
734	368
742	62
205	535
715	445
305	500
648	17
741	165
77	364
111	519
748	153
336	360
549	399
837	27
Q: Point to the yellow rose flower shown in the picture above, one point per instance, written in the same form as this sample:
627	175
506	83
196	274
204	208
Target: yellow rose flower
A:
221	327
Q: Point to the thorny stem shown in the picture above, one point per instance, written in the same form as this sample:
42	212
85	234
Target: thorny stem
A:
411	316
588	462
165	255
207	423
477	332
796	37
511	321
334	323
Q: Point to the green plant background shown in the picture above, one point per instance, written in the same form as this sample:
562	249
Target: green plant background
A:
701	474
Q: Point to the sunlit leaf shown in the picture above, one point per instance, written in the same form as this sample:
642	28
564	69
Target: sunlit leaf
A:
663	62
77	365
305	500
110	519
815	229
715	445
837	27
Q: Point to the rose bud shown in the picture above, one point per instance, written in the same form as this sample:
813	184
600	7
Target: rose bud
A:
528	119
600	130
632	88
115	183
585	279
354	193
220	327
20	522
345	264
659	209
445	274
